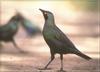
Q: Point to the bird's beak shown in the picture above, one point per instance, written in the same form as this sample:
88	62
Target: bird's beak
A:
42	10
44	13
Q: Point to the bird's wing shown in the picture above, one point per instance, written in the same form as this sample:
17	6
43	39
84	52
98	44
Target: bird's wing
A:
8	29
62	38
30	27
4	28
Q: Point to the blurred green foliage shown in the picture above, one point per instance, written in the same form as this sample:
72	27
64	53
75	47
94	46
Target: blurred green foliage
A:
86	5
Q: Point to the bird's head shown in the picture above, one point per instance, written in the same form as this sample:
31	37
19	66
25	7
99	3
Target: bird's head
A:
46	14
18	16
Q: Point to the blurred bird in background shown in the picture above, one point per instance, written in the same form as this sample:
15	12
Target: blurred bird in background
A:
57	40
9	30
30	27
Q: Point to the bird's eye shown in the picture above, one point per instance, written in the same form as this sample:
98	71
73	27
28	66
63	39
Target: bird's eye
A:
45	13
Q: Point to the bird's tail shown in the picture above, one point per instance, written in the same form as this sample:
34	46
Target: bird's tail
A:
83	56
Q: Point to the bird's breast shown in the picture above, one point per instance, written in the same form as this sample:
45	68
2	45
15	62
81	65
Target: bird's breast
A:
48	33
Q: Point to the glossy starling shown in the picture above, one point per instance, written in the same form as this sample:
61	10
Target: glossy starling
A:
9	30
57	41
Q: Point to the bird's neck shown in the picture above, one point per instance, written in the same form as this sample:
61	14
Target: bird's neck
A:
50	21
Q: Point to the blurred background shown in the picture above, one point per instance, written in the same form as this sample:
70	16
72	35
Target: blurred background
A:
78	19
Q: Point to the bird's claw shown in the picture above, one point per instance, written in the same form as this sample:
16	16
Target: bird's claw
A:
44	68
21	51
61	70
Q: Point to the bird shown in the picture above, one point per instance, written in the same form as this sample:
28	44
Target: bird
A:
9	30
57	41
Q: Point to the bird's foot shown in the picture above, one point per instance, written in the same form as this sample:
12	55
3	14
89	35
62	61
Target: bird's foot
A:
44	68
61	70
21	51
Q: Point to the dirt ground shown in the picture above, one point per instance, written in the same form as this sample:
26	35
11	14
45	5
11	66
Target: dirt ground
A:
37	55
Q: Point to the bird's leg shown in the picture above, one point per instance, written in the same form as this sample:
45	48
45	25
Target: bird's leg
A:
13	41
0	45
61	57
52	58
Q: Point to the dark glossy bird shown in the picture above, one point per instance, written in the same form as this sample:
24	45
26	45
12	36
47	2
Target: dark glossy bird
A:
57	41
9	30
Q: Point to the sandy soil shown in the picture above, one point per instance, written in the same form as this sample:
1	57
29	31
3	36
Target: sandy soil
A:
37	55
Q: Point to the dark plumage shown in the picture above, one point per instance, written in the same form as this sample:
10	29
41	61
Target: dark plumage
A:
8	31
57	41
30	27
